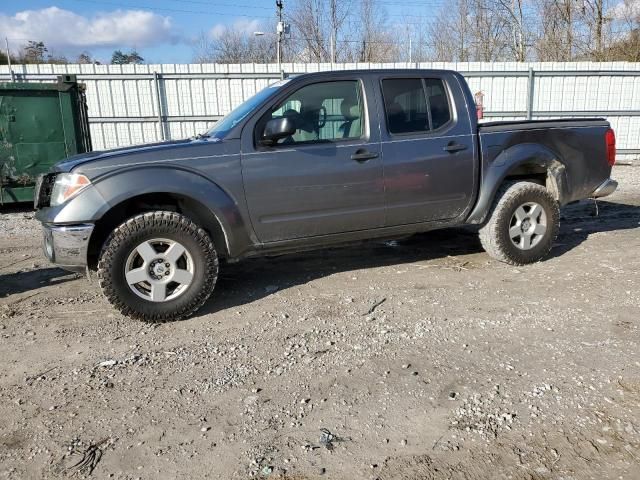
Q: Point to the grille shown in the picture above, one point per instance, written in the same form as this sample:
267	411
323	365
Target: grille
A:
44	186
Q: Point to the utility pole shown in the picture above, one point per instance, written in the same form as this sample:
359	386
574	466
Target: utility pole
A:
333	48
279	33
334	30
6	41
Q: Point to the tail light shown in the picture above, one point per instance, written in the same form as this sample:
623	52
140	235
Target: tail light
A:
610	139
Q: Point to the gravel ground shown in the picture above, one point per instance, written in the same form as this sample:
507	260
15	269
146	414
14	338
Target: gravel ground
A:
420	359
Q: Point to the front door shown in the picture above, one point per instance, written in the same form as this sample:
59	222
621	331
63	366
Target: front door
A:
324	179
428	150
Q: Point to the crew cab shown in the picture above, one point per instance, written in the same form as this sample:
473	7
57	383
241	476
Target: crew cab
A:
312	161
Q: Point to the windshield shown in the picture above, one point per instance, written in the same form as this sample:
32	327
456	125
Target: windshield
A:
224	125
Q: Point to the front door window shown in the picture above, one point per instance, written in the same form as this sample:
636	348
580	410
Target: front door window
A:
323	112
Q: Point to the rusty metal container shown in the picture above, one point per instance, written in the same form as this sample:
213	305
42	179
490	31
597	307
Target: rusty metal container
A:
40	124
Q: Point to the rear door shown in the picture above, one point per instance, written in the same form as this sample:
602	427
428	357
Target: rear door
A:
324	179
428	149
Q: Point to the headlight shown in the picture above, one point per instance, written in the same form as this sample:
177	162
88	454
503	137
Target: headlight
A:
66	186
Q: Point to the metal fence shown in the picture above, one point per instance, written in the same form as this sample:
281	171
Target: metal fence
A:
131	104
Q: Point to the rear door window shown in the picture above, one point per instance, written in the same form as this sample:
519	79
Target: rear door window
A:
438	102
415	105
405	105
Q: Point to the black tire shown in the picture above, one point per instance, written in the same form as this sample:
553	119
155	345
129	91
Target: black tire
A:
495	236
166	225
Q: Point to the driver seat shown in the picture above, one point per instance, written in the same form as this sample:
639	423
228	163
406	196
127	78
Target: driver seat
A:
307	126
352	127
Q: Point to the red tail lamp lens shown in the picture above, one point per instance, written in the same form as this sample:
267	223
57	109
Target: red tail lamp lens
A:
610	138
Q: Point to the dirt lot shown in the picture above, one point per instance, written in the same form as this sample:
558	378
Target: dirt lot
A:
423	358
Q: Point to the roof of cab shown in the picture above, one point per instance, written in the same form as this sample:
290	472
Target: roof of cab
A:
376	72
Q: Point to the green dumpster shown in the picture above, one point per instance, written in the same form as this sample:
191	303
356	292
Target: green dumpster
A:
40	124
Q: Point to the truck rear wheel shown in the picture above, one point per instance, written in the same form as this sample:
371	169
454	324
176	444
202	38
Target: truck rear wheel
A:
522	225
158	266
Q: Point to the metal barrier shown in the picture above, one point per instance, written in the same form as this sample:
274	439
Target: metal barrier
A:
143	103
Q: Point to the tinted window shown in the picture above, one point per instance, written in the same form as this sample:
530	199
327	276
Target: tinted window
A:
438	103
326	111
405	105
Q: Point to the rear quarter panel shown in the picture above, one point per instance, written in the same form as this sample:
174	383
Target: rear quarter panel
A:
578	145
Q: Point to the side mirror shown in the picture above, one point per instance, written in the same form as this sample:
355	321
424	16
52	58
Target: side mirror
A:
277	128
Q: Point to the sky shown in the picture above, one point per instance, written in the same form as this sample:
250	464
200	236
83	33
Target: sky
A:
162	31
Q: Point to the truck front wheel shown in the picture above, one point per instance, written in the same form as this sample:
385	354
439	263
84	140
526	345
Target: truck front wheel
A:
522	225
158	266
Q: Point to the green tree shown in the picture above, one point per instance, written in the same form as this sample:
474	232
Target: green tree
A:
4	60
134	57
57	59
34	52
121	58
84	58
118	58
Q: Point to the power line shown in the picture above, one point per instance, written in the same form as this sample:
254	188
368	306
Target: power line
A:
175	10
245	6
223	5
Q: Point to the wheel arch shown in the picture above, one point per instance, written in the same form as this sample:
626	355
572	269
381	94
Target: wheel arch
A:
530	162
149	202
132	192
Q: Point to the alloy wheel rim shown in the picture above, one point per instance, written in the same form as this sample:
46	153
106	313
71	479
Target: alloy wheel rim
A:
159	270
528	225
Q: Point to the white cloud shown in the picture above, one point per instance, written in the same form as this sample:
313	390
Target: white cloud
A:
65	30
244	25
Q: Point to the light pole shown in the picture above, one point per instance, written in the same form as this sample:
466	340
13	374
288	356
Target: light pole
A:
281	29
279	32
261	34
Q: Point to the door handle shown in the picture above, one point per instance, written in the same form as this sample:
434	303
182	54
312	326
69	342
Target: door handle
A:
454	147
362	155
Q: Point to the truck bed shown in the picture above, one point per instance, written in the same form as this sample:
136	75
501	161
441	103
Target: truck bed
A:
578	144
528	124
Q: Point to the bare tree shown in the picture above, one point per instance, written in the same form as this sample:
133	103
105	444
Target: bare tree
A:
451	33
338	14
470	30
556	36
375	42
347	30
233	46
594	13
490	32
204	49
462	30
309	22
512	13
625	39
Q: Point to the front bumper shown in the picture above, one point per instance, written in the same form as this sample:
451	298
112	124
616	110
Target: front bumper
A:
67	245
606	188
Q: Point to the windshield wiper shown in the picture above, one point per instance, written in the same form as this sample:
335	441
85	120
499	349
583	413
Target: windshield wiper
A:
200	136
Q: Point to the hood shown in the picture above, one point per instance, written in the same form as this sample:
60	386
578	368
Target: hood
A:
74	161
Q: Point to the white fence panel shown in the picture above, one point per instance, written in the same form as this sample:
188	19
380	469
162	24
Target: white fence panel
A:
131	104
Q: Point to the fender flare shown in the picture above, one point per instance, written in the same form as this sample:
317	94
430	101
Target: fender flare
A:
122	185
508	161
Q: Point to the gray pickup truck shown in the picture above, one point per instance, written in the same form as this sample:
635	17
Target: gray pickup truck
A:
312	161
